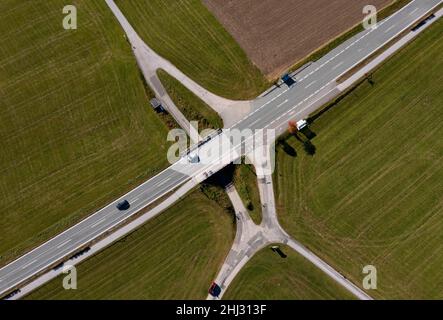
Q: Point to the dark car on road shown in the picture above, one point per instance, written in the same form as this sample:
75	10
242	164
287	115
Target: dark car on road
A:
123	205
214	290
288	80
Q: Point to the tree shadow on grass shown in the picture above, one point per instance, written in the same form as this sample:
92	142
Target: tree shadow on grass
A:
308	133
309	148
277	250
289	150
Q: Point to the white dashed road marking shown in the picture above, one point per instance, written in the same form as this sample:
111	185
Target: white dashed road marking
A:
337	65
413	11
28	264
63	243
98	222
163	182
254	122
310	84
282	103
390	28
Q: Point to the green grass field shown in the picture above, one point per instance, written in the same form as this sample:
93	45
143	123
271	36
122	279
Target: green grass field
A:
192	107
245	180
373	191
174	256
188	35
268	277
77	130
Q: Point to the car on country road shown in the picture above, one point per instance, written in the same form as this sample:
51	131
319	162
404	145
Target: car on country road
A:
123	205
286	78
214	290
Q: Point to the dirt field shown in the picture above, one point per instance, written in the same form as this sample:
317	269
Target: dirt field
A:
277	33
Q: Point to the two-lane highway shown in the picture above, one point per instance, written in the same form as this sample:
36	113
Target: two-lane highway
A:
321	76
271	111
90	228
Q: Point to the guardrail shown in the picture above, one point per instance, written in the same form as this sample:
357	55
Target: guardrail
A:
201	142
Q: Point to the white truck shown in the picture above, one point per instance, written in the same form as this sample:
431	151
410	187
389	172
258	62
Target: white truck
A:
301	124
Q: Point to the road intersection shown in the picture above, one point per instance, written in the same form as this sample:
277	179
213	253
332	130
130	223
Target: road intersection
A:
251	238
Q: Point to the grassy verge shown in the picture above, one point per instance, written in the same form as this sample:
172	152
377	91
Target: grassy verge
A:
192	107
77	129
317	54
268	277
165	116
174	256
245	180
218	195
188	35
371	192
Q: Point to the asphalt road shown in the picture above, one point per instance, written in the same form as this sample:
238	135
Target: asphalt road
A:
270	111
251	238
319	78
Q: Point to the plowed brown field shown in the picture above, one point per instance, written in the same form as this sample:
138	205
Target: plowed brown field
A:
277	33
